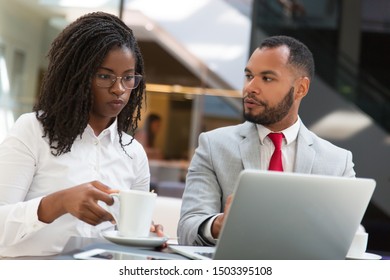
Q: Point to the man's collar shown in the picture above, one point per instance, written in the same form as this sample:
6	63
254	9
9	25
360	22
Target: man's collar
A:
290	133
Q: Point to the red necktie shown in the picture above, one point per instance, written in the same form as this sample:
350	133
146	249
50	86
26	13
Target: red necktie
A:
276	159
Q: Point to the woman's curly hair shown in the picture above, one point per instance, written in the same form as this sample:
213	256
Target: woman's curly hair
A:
65	99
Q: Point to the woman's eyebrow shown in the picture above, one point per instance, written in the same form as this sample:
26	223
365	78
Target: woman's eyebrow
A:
105	68
109	69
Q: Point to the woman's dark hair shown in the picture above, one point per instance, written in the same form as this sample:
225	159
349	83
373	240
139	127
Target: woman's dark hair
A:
300	56
65	99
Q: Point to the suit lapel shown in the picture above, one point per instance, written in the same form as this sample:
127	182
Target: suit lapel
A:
249	146
305	153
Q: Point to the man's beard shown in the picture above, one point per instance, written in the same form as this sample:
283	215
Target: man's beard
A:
272	115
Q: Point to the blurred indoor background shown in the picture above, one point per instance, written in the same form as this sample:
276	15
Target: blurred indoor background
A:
195	52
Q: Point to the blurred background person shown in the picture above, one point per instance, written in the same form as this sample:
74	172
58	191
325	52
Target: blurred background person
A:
147	136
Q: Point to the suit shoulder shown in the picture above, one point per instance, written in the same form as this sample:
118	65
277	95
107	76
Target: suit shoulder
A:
326	145
226	130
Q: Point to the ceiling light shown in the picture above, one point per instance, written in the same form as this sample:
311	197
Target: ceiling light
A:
341	125
76	3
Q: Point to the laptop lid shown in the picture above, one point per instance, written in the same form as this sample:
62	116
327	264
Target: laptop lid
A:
280	215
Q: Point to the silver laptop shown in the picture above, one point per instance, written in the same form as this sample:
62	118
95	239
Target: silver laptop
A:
280	215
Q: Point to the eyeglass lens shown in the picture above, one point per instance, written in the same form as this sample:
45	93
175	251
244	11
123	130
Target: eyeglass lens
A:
108	80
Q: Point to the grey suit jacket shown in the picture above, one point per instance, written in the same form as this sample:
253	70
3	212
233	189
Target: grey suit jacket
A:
224	152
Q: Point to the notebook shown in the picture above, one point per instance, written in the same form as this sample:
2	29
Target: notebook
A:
280	215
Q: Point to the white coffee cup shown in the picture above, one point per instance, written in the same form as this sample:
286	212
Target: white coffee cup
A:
359	244
135	212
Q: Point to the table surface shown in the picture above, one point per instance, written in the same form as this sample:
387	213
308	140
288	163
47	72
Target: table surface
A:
79	244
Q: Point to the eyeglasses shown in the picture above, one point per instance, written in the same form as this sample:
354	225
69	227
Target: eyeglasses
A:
108	80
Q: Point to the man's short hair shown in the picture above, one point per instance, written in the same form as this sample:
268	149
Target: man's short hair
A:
300	56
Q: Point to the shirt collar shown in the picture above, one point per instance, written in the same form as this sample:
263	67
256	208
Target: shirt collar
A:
290	133
111	131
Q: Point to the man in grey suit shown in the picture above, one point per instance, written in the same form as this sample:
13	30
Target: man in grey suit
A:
278	76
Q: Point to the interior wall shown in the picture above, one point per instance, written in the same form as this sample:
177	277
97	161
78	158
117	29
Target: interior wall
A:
21	30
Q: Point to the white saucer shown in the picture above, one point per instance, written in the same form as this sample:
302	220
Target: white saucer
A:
365	256
150	241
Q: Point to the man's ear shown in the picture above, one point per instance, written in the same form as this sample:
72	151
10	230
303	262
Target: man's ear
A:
302	87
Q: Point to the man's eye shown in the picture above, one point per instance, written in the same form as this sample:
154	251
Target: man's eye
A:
267	79
248	76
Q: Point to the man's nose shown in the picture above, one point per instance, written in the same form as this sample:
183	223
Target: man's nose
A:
252	86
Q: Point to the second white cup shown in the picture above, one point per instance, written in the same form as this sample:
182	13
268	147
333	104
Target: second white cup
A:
359	244
136	212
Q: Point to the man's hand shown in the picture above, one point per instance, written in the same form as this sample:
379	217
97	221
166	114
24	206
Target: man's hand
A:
218	222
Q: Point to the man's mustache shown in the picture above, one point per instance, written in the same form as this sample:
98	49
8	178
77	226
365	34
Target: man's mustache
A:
252	99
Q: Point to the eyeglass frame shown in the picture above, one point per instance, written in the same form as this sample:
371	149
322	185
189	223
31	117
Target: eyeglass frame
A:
115	78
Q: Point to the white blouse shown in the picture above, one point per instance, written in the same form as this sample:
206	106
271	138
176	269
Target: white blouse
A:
28	172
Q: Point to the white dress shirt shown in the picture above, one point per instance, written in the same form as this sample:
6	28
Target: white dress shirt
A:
289	146
267	148
28	172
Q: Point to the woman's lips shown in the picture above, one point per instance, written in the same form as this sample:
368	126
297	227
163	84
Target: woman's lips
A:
116	103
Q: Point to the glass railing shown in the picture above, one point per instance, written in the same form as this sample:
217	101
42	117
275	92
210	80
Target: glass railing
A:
332	66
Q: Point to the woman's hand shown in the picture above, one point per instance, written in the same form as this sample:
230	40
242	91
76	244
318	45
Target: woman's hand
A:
80	201
159	231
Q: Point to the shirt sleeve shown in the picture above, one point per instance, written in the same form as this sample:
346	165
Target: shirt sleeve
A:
202	197
142	168
205	230
18	218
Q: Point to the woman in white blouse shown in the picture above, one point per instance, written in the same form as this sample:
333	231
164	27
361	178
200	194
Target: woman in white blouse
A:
59	164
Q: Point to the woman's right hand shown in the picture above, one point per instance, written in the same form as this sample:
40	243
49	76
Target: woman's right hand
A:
80	201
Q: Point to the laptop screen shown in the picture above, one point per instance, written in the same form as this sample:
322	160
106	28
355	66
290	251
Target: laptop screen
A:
280	215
